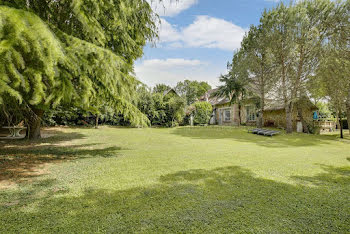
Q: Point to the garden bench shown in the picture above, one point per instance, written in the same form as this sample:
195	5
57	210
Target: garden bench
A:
265	132
262	131
271	133
254	131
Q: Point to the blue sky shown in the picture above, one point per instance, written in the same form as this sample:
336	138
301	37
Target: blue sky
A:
197	39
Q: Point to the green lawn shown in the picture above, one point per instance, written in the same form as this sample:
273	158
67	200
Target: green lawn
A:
205	179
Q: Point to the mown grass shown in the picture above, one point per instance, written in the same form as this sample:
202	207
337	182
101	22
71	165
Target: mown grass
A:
205	179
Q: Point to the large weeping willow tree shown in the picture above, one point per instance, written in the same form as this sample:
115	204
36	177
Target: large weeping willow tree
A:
71	51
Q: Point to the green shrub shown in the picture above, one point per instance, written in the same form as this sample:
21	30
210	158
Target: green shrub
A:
202	112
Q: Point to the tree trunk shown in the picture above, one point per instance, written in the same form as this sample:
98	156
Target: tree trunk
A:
239	115
287	102
289	119
348	110
337	122
96	122
302	120
34	124
348	117
260	123
341	125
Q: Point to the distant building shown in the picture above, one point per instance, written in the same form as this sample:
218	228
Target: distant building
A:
225	113
170	92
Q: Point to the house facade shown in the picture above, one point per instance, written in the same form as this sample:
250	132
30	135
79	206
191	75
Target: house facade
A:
225	113
275	115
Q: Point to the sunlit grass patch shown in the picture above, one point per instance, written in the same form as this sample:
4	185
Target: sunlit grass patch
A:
201	179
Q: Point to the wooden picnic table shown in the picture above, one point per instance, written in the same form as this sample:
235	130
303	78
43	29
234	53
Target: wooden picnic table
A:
14	131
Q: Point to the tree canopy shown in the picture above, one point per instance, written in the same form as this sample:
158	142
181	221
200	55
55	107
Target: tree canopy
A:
83	54
123	27
192	90
297	50
29	61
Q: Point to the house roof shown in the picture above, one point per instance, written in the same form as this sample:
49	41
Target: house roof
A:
214	100
270	104
273	105
166	92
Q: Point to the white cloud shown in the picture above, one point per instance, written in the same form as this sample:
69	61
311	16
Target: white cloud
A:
170	71
171	7
213	33
175	45
168	32
164	64
204	32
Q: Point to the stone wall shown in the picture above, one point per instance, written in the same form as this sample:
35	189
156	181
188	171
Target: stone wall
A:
277	118
272	118
234	120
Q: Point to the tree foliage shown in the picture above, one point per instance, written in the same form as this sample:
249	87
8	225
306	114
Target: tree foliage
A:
235	85
83	54
120	26
297	50
162	110
258	62
29	61
192	90
202	112
161	88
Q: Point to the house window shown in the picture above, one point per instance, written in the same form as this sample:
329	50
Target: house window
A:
227	115
251	113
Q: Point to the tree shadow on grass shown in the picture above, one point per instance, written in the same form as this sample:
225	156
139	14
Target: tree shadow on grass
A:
229	199
52	135
332	176
23	160
242	135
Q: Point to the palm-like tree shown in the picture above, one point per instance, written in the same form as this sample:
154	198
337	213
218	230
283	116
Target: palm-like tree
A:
234	89
236	82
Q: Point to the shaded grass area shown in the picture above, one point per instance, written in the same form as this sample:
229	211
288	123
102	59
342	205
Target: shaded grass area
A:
21	160
221	200
212	180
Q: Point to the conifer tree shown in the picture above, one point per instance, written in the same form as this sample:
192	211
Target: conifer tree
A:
235	83
297	32
29	63
257	57
73	51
